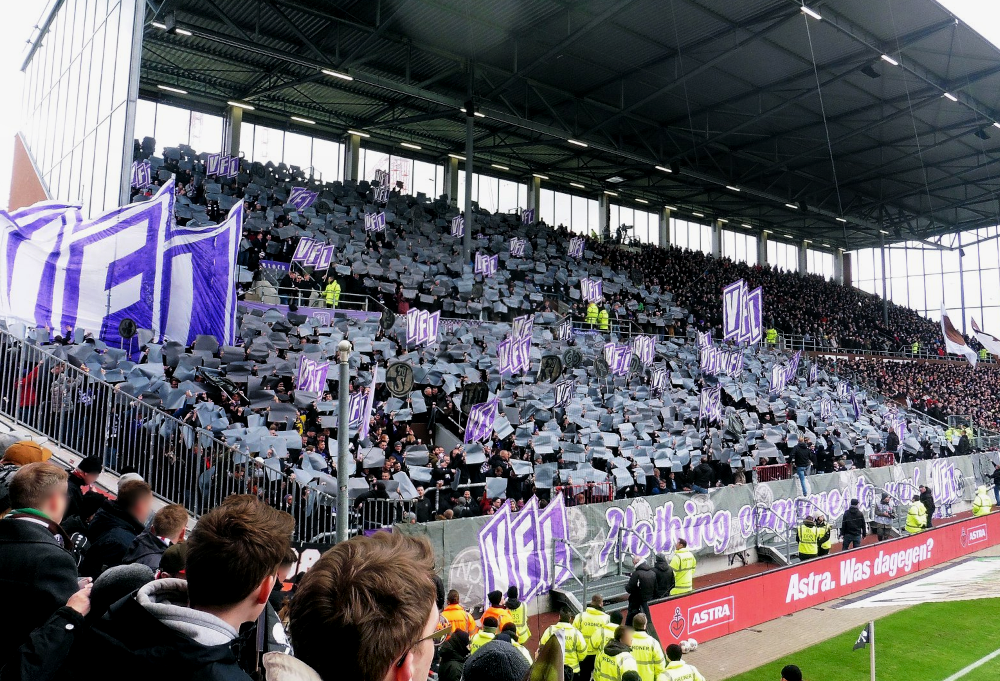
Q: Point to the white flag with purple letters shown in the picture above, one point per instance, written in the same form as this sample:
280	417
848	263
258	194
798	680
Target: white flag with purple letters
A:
457	226
564	392
710	407
422	327
592	290
733	310
576	245
481	420
312	375
517	247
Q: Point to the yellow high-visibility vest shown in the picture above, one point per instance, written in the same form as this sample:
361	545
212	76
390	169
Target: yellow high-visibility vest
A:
683	564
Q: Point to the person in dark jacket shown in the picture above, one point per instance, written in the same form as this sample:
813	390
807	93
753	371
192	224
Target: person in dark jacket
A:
852	527
37	571
168	528
702	477
84	475
116	526
175	628
454	652
892	442
927	499
664	576
641	589
801	457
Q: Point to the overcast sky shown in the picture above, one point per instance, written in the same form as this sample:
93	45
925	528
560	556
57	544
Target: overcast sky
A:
19	16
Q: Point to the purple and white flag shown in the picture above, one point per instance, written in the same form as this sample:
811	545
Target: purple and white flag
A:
520	354
212	162
301	198
517	247
486	265
643	347
325	257
380	195
361	404
303	249
716	361
504	354
381	176
779	378
826	409
374	222
576	245
566	330
843	389
313	258
142	174
59	270
856	404
733	310
898	424
458	226
564	391
481	419
793	367
229	166
813	373
659	379
704	340
592	290
523	326
710	407
312	375
755	315
618	356
422	327
528	216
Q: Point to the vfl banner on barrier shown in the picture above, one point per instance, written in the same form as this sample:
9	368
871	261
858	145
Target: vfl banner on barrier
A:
380	195
59	270
458	226
566	330
704	340
381	177
712	613
576	245
517	247
311	377
422	327
481	419
482	554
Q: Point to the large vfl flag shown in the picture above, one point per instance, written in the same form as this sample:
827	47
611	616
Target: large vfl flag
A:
953	340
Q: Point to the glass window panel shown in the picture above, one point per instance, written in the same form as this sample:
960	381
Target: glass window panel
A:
401	170
988	254
916	292
898	292
326	160
953	290
206	132
990	288
579	215
897	262
145	119
915	262
932	287
297	150
971	286
593	216
564	214
949	261
546	208
991	319
507	200
970	261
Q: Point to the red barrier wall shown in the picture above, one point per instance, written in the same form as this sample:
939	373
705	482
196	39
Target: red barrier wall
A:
715	612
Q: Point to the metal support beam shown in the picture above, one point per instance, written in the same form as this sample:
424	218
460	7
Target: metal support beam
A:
803	257
451	181
231	126
343	440
352	158
664	232
534	196
885	292
762	248
470	133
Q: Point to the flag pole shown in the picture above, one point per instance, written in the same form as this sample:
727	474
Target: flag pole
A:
871	648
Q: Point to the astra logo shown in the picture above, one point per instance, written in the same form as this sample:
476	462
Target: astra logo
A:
977	534
711	614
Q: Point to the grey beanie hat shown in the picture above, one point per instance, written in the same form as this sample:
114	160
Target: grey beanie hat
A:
116	583
496	661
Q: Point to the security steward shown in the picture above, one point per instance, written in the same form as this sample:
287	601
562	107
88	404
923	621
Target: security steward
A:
916	516
982	504
646	650
683	564
616	658
588	622
574	646
824	538
808	539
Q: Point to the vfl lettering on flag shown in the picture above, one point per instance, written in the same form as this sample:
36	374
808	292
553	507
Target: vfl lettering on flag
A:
422	327
312	375
528	549
212	162
486	265
856	405
826	409
301	198
381	195
843	389
733	309
716	361
528	216
142	174
564	391
710	407
576	245
303	249
520	354
361	404
325	257
517	247
481	419
618	356
381	177
374	222
659	379
458	226
591	290
644	348
704	340
504	352
813	373
522	326
755	315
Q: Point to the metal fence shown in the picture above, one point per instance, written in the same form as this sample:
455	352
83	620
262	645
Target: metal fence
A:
183	461
880	460
586	493
778	471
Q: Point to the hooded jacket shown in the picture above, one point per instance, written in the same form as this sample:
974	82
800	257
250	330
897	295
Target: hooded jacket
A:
454	652
612	662
664	576
111	535
146	549
642	585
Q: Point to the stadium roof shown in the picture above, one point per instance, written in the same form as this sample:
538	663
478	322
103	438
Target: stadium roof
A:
883	114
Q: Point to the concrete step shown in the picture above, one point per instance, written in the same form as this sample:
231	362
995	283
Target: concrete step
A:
576	596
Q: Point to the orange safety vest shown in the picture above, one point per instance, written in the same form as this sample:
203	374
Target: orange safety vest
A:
501	614
460	619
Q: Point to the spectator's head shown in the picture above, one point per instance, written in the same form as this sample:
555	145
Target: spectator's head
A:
623	635
287	564
233	555
512	592
854	502
24	452
172	562
366	610
916	497
791	673
565	615
616	617
491	622
681	544
639	622
40	486
114	584
495	598
89	469
171	522
136	497
597	601
496	661
511	630
631	676
674	652
453	597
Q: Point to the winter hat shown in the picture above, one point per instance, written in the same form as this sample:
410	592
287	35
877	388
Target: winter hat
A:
791	673
115	584
90	464
495	597
854	502
511	592
630	676
24	452
173	559
496	661
129	476
462	636
91	504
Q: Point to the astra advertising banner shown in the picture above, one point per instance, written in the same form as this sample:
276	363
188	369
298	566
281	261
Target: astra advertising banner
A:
711	613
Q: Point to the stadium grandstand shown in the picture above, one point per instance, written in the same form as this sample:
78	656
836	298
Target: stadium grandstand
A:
388	324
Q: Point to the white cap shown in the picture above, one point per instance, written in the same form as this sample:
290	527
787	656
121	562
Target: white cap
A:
129	476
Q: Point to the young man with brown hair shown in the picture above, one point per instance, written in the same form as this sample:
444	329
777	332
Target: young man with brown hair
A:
168	528
37	570
366	611
177	629
116	526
